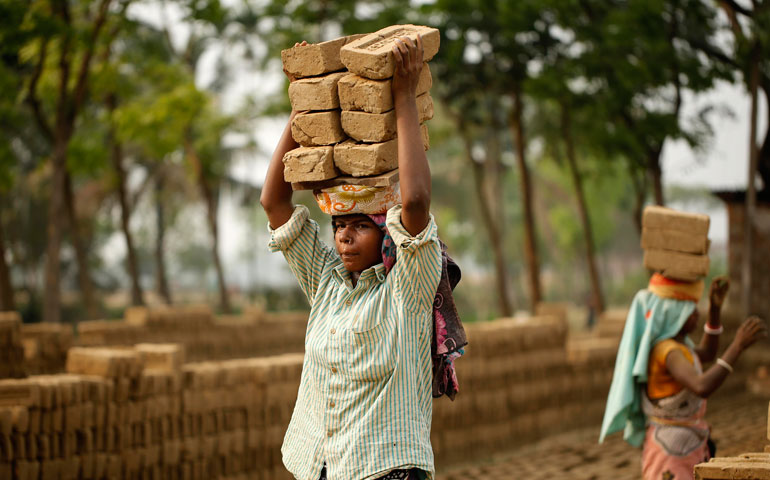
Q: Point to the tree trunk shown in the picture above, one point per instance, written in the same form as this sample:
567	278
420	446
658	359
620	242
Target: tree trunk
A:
657	178
763	161
597	299
161	281
211	217
125	220
7	302
81	256
751	191
52	299
493	226
530	245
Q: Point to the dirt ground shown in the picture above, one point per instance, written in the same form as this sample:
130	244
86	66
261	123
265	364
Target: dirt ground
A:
739	425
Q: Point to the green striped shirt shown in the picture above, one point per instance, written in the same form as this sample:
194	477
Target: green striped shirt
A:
364	404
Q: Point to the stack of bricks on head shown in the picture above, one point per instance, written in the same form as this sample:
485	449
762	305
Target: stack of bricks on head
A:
347	125
746	466
675	243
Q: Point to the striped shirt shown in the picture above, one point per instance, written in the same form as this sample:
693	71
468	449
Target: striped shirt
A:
364	404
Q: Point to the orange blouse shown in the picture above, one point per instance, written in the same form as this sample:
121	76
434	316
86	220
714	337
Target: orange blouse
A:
660	383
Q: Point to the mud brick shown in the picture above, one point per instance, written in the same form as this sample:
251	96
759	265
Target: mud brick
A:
113	466
171	452
69	444
19	392
380	127
164	357
26	470
6	469
85	438
87	466
733	468
6	421
87	414
674	240
20	419
316	58
668	219
371	55
768	421
680	266
51	469
306	164
6	448
34	420
366	159
44	449
317	128
72	417
315	93
374	96
19	445
31	446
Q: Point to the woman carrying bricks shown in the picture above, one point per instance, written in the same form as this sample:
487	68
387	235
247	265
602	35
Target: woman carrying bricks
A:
364	404
659	389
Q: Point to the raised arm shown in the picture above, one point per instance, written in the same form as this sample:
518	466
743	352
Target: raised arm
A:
706	383
709	343
276	193
414	173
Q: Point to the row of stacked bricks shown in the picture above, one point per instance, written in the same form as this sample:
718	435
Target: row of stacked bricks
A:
139	413
11	348
675	243
204	336
517	384
747	466
347	120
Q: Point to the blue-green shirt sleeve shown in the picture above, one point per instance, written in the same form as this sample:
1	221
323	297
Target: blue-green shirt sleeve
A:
418	261
305	252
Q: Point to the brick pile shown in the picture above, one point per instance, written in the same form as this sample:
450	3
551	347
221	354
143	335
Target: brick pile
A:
675	243
11	348
46	346
747	466
347	125
139	413
519	381
203	335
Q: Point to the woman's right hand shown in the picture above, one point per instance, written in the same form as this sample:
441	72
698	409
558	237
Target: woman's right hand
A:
749	332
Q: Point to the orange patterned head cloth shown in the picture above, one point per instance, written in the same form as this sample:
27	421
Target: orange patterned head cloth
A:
352	199
675	289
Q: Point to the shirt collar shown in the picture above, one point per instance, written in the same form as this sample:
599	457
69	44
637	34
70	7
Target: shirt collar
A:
375	273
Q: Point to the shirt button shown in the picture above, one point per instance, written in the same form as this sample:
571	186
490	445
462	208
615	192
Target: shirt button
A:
328	434
334	330
349	303
334	370
331	404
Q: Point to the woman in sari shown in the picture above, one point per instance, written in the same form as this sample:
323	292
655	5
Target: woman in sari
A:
659	387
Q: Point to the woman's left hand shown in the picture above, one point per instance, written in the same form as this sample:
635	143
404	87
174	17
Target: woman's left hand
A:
408	56
718	291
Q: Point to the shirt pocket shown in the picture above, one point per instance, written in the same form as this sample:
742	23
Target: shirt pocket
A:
372	349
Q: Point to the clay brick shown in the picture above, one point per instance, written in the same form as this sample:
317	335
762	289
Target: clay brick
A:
665	218
381	127
371	56
317	128
680	266
366	159
308	164
315	93
374	96
315	59
19	392
164	357
674	240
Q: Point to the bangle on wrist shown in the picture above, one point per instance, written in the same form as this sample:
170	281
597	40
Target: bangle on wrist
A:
725	365
712	330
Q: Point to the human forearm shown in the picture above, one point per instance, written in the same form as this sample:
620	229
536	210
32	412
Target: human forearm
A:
276	192
713	378
414	172
709	343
